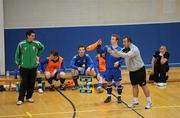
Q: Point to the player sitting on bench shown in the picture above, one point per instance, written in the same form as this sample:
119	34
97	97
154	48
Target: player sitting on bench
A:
81	64
55	69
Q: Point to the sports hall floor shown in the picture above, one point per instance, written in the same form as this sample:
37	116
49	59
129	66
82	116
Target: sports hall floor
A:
68	104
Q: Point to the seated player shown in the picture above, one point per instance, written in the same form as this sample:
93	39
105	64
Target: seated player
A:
55	70
81	64
113	64
160	66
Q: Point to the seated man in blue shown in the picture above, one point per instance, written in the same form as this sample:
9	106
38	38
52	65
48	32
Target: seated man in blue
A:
81	64
113	71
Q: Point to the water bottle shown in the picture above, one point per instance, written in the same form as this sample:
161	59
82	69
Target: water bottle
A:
15	74
83	67
7	73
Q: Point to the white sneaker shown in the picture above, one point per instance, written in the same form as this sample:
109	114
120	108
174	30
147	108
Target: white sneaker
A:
148	105
161	84
19	102
40	91
30	100
132	105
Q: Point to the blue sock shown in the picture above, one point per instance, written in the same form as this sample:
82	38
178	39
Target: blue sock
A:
39	82
119	90
50	80
109	90
99	85
75	79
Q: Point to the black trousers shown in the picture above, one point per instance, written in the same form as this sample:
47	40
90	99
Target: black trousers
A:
28	77
160	71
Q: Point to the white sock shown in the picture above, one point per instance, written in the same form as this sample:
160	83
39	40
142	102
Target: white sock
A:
135	99
148	99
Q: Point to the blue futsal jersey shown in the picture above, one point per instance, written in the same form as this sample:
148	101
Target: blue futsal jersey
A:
111	71
78	61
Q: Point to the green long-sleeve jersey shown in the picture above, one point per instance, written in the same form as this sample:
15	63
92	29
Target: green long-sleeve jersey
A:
27	52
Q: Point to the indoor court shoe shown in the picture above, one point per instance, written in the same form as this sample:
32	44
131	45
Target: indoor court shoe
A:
108	99
62	87
30	100
160	84
132	105
75	87
148	105
40	91
19	102
119	99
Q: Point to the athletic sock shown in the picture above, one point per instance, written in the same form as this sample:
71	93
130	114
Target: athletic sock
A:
109	90
135	99
148	99
62	80
119	90
75	79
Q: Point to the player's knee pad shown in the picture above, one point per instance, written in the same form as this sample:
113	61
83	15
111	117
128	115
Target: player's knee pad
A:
47	75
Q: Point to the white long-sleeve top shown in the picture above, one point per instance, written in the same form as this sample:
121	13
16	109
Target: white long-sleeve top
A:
133	58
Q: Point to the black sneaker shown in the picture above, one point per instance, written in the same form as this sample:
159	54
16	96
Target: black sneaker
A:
52	88
119	99
108	99
62	87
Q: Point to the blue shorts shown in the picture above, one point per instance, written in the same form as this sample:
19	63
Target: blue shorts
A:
113	74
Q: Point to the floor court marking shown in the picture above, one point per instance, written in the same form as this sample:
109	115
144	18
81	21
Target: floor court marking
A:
127	105
85	111
72	104
28	114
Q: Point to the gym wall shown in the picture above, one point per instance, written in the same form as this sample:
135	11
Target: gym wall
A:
64	24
